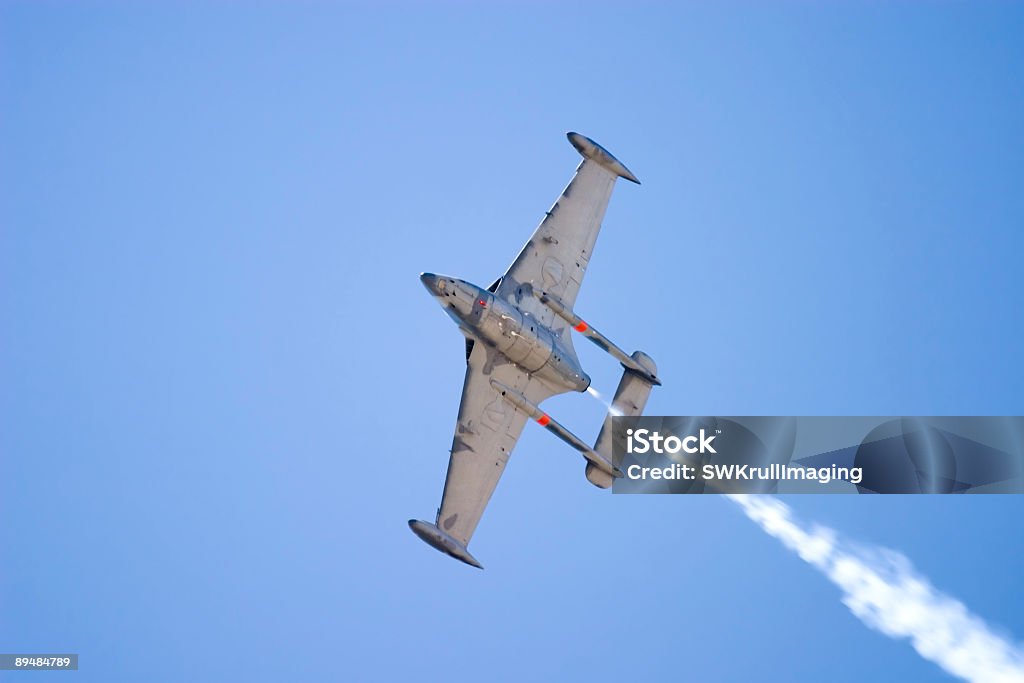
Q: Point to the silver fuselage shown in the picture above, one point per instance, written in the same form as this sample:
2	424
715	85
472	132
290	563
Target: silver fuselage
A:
516	335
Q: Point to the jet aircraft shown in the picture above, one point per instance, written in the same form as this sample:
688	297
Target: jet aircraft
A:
519	352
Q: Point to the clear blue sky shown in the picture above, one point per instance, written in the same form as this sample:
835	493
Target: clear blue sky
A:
223	390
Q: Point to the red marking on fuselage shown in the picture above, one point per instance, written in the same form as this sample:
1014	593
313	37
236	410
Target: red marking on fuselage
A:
582	327
543	420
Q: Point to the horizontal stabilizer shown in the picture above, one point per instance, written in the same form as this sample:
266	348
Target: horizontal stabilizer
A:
630	398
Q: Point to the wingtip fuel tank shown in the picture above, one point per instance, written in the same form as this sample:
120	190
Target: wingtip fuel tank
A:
600	156
434	537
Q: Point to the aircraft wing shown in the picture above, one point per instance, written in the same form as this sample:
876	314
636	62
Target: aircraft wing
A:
485	434
556	257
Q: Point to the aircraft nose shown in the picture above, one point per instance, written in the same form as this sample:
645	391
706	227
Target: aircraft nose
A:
429	281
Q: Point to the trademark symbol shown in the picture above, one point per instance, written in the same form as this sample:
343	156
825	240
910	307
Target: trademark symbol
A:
718	431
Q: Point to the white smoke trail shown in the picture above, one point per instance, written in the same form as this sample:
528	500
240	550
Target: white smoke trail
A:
882	589
597	394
